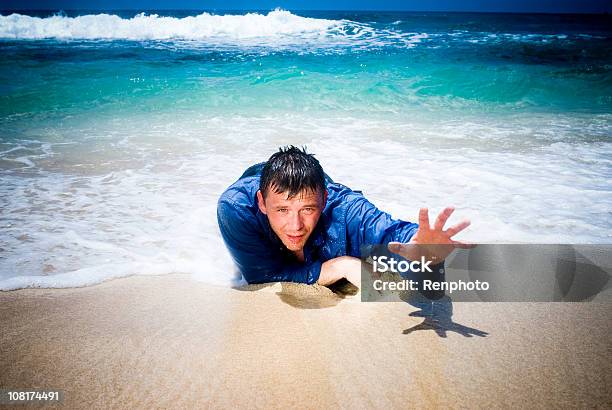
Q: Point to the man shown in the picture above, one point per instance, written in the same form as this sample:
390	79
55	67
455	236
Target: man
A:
286	220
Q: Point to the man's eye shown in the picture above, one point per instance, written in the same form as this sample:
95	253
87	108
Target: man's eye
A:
282	210
309	210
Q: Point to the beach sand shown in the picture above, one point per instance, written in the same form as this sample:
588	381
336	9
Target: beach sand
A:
172	342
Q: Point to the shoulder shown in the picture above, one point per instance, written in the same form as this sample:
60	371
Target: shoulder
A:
243	191
341	201
238	203
339	195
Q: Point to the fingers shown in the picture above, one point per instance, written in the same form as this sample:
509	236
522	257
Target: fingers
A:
455	229
443	217
424	218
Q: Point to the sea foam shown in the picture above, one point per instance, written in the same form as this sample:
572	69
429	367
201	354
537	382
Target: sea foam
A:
155	27
276	28
137	195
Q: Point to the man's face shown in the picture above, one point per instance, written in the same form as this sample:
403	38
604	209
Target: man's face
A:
294	219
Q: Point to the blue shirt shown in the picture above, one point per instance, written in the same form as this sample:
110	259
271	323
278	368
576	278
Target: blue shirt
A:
347	222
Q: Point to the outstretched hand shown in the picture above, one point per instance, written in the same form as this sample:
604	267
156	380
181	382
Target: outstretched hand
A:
435	244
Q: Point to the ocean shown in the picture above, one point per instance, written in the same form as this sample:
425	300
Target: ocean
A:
120	129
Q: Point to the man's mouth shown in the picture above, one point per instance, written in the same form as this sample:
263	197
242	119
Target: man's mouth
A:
295	238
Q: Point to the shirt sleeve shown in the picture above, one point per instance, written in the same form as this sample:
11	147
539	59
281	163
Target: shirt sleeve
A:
367	225
256	258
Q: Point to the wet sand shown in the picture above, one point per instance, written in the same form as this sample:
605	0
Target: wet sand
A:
171	342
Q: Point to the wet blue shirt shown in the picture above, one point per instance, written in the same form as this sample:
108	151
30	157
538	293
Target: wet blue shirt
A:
348	221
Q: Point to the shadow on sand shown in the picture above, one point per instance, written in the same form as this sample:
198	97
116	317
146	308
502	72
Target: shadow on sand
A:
303	296
438	315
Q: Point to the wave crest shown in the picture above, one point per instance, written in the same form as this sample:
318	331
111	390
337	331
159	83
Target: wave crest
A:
154	27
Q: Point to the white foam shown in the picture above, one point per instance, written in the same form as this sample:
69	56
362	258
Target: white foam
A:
154	27
274	28
278	28
137	194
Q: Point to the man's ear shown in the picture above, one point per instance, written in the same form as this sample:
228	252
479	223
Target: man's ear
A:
324	198
261	203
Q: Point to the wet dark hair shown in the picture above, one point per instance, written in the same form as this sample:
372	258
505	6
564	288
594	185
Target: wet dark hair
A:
292	170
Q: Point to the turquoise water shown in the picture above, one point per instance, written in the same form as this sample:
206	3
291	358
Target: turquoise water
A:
120	130
400	63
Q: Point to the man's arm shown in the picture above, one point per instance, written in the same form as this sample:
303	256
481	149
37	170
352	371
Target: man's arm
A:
341	267
256	260
367	225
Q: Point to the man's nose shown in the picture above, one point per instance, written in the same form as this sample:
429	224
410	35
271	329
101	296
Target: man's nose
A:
295	222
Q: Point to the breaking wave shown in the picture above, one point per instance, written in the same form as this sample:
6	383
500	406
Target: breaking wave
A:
154	27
